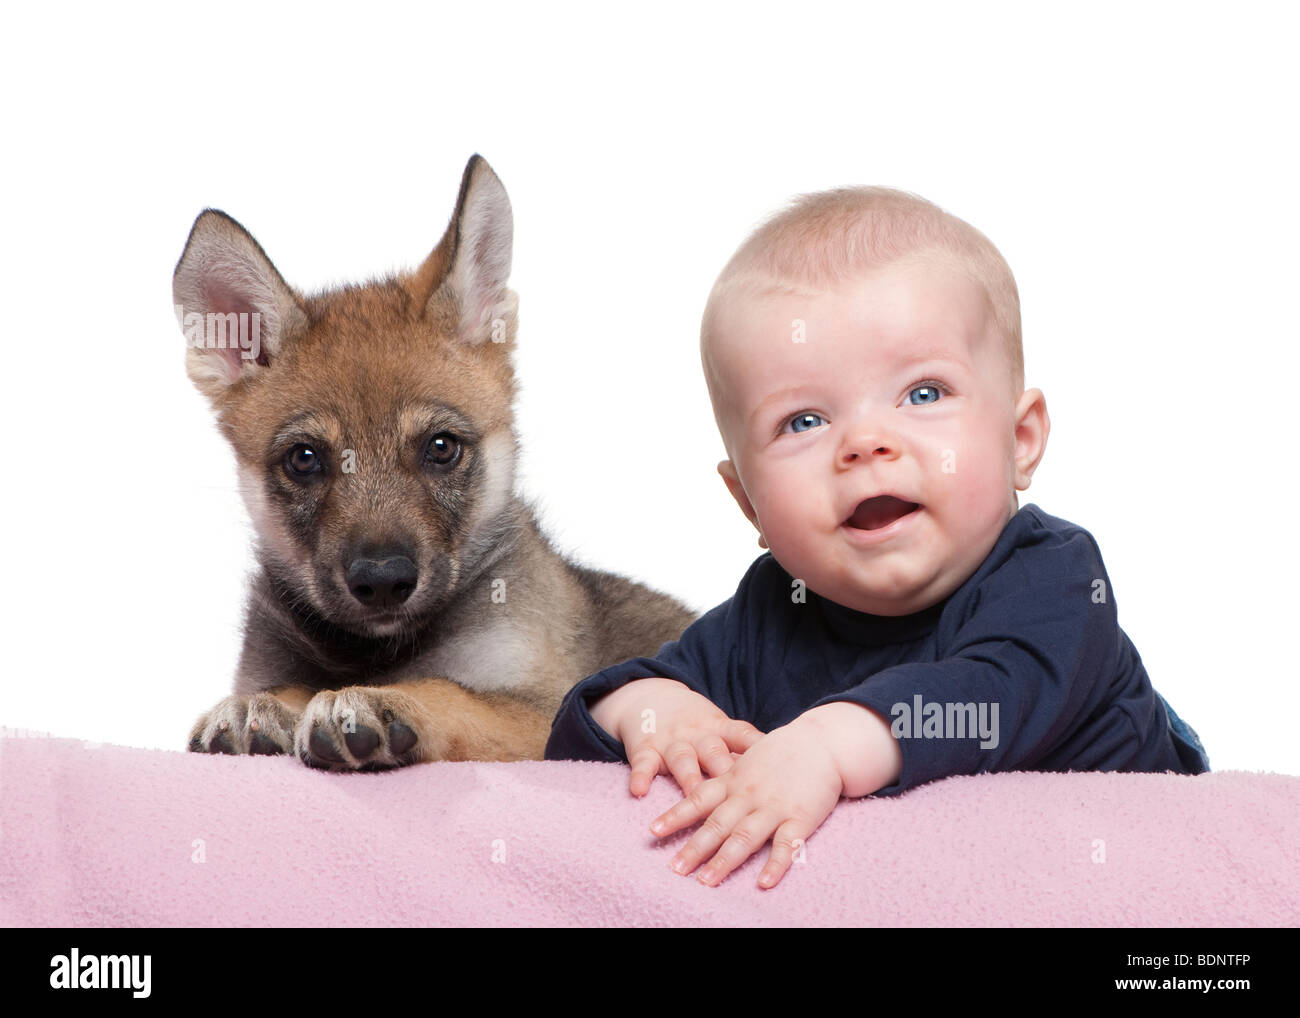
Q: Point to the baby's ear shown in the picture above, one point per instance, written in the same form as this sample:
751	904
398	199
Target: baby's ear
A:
727	471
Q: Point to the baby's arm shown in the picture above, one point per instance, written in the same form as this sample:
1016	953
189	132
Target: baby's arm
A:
693	687
667	728
866	754
1037	675
782	789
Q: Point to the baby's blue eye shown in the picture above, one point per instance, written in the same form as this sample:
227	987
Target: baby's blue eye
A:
932	388
806	422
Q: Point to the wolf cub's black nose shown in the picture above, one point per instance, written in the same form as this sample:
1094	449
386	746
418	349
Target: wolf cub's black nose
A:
382	582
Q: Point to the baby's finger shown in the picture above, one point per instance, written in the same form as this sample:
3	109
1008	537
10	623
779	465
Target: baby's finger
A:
711	834
746	838
704	799
783	846
684	765
740	735
713	754
646	764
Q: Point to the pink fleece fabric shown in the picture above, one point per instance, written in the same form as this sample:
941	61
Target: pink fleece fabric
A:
101	835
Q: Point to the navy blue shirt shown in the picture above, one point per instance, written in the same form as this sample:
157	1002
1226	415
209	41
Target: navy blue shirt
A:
1023	667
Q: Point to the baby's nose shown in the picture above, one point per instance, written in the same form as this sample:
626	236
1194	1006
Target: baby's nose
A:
865	443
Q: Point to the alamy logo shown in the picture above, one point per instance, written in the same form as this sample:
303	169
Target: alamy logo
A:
920	720
101	972
218	331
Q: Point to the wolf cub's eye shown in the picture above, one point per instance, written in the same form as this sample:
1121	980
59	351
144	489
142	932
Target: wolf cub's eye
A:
443	450
301	460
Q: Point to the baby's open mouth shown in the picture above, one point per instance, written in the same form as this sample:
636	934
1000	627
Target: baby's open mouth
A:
881	511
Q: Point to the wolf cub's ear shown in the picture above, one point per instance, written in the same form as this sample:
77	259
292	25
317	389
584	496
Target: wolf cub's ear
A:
470	267
235	309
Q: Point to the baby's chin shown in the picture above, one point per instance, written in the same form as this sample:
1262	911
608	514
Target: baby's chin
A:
871	603
870	600
865	590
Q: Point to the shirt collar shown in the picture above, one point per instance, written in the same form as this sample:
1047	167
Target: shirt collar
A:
877	630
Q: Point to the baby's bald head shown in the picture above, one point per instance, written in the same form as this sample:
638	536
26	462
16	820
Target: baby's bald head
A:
822	240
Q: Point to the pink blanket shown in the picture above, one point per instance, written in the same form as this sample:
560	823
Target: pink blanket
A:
98	835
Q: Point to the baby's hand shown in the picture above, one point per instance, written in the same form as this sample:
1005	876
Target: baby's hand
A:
782	788
667	728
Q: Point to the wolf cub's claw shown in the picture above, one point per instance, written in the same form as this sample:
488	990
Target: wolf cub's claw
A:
360	728
257	724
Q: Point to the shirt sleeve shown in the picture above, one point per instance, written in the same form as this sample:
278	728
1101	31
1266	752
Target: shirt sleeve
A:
699	659
1033	660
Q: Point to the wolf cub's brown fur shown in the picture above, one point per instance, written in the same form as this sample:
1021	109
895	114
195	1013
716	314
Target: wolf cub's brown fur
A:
407	606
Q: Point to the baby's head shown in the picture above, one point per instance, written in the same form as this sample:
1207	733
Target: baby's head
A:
862	352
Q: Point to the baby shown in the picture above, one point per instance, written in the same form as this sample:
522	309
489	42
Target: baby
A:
910	620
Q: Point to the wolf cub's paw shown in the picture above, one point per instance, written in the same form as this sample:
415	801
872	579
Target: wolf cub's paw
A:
360	728
257	724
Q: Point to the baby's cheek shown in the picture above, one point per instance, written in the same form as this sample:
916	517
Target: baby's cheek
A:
974	473
786	508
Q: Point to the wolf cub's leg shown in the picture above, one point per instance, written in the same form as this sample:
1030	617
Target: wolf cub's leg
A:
258	723
368	728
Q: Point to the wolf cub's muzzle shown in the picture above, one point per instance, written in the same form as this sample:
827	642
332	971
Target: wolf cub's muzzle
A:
382	579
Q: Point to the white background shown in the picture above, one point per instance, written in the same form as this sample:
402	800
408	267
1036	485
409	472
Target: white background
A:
1135	163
